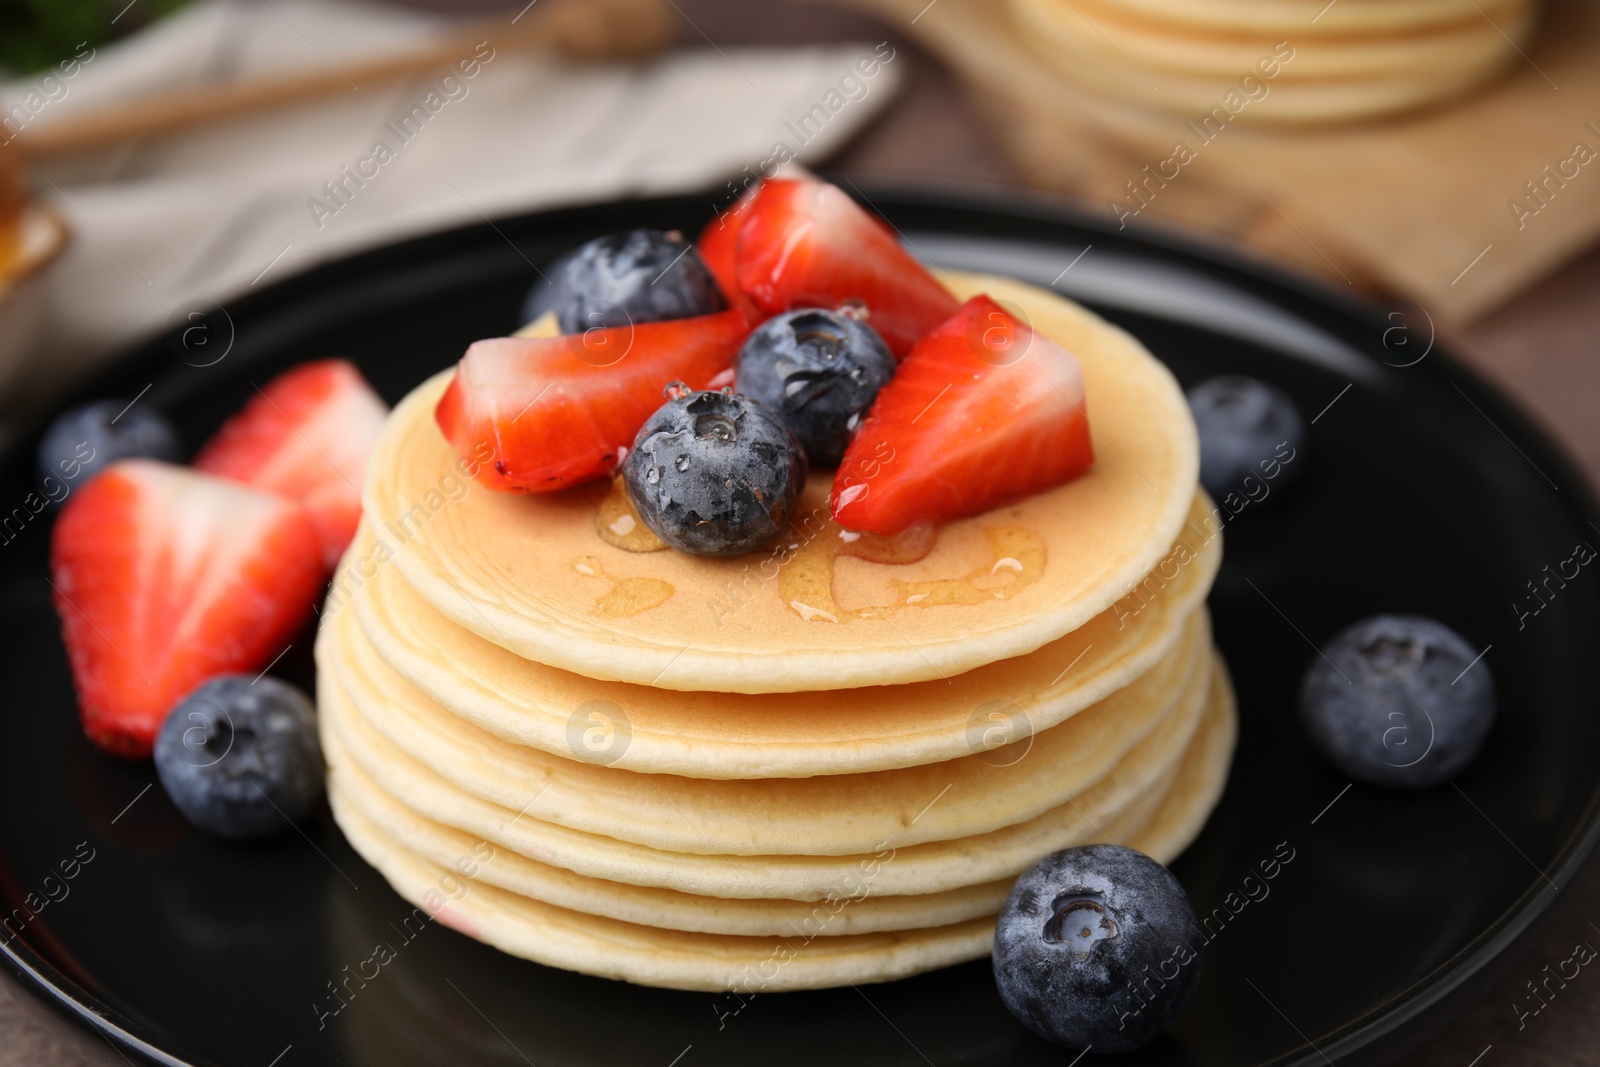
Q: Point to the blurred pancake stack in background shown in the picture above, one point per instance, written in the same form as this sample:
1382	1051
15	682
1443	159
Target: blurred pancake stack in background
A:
1343	136
1345	60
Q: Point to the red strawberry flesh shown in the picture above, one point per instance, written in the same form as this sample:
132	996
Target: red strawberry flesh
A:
807	244
537	414
306	435
983	412
718	246
164	578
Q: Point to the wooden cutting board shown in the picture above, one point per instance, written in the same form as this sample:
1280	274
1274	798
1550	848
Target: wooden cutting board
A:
1434	207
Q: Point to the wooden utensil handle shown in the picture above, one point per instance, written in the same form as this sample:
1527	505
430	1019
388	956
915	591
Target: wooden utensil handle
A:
583	29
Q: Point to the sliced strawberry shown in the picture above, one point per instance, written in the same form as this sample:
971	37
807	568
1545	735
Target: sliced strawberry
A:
807	244
164	578
306	435
536	414
717	246
983	412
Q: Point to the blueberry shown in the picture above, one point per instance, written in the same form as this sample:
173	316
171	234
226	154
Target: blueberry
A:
83	440
633	277
1247	429
240	758
1097	947
715	474
1394	704
818	369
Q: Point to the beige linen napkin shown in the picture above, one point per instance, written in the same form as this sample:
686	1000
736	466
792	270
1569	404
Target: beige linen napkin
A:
218	211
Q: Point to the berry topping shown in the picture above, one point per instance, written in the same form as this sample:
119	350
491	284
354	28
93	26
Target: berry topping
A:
631	278
982	412
545	413
239	756
820	371
714	474
85	440
807	244
1398	700
1247	428
1097	947
164	578
306	436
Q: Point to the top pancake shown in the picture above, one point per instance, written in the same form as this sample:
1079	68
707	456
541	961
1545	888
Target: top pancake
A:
530	574
779	735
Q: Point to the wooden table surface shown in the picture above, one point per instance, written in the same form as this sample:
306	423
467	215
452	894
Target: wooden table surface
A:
1539	348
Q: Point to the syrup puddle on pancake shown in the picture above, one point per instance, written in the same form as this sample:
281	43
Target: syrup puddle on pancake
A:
806	581
618	524
807	566
627	596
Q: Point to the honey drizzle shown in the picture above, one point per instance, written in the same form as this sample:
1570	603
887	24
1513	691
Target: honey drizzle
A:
627	596
618	523
805	580
806	583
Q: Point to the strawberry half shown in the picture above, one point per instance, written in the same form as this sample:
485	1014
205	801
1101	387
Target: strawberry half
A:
807	244
536	414
164	578
983	412
307	436
718	246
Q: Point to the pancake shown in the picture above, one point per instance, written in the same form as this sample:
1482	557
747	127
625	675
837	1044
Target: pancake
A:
648	906
723	735
1171	67
867	912
1305	102
530	574
834	815
1201	777
809	767
607	946
652	956
1175	48
931	867
1359	18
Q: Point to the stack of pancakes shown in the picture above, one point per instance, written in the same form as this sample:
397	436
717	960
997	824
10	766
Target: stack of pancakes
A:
1307	60
796	769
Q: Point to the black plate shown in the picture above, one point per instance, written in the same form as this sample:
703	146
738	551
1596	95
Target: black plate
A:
1423	492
